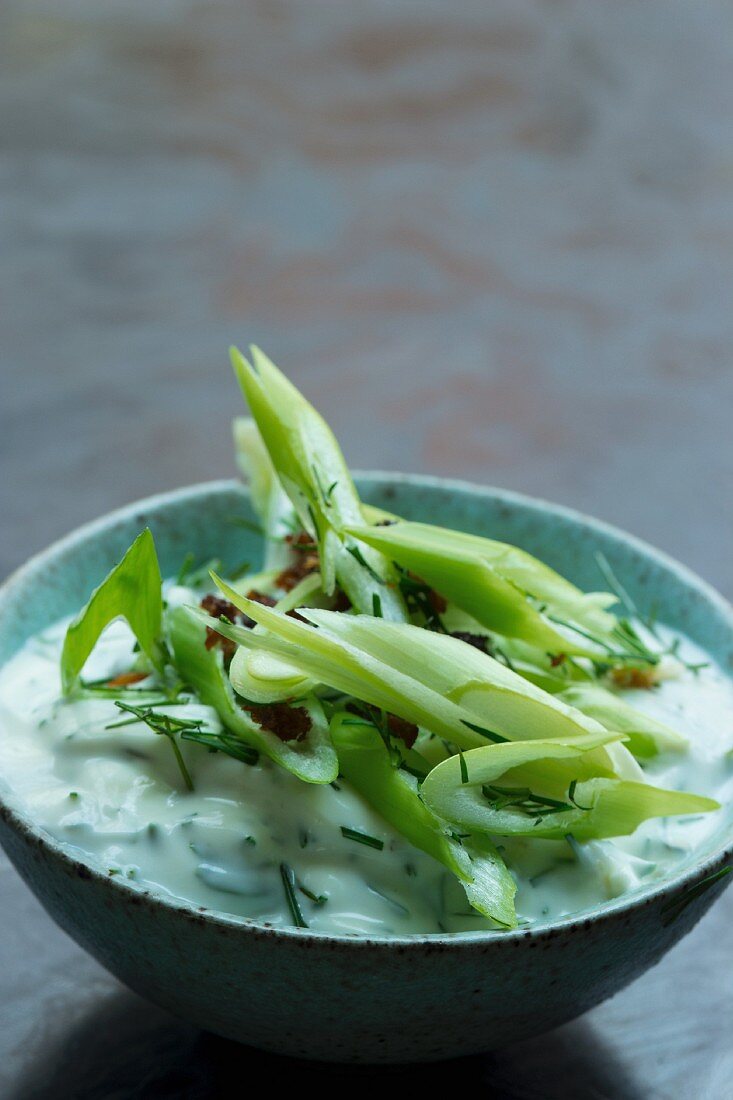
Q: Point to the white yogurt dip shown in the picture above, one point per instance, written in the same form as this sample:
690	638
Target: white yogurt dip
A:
116	797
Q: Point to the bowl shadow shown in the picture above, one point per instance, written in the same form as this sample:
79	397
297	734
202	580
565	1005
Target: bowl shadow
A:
127	1049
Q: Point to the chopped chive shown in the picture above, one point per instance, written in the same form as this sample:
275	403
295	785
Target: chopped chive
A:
574	847
397	905
376	605
358	556
571	796
362	838
464	768
317	899
489	734
288	879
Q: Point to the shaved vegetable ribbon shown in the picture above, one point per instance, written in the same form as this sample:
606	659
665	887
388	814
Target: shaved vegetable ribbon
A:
269	499
430	679
508	790
131	591
314	474
258	675
366	764
645	736
507	590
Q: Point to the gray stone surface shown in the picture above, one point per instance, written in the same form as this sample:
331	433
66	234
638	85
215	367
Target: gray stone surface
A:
488	240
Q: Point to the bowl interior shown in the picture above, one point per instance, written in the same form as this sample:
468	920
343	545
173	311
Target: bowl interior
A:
206	521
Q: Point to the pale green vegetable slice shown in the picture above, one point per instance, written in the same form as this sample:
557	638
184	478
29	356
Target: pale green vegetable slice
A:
313	759
264	678
131	591
506	589
314	474
365	763
430	679
269	500
645	736
512	790
497	697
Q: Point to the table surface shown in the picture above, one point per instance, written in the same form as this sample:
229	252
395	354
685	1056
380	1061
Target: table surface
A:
492	241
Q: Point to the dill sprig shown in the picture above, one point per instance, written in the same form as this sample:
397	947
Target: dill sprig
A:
223	741
167	726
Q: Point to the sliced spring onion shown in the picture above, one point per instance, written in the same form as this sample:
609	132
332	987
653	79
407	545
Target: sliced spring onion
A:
366	764
312	759
506	589
313	473
430	679
645	736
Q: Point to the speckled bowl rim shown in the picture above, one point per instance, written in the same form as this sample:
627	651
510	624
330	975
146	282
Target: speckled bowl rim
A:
669	888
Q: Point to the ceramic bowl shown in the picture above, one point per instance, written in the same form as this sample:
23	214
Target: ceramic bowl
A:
342	998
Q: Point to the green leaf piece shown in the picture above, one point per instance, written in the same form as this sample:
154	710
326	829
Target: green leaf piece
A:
131	591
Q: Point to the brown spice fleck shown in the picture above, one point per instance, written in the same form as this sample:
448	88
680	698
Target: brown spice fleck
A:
261	597
478	641
286	722
342	601
219	608
633	678
400	727
293	574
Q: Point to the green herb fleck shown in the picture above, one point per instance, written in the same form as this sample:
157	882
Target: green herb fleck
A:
362	838
288	879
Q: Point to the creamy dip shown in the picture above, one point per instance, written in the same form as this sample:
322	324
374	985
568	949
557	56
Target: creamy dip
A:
115	797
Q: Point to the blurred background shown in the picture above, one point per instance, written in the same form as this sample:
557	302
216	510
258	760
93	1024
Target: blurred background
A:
487	240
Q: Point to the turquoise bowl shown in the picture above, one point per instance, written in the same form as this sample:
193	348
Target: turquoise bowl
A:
340	998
